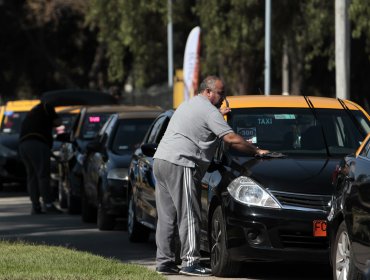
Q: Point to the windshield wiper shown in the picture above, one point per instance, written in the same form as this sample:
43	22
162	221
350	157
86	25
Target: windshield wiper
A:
352	117
313	110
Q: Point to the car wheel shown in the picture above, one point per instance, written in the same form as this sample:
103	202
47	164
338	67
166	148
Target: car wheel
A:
74	204
104	220
220	262
136	231
341	255
88	212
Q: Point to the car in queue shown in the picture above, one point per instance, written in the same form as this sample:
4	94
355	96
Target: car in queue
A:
142	214
71	153
12	169
106	162
349	218
68	115
269	208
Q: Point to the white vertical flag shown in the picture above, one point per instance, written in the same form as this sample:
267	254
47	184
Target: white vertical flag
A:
191	63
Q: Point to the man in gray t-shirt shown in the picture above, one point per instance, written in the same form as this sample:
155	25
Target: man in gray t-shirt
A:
181	160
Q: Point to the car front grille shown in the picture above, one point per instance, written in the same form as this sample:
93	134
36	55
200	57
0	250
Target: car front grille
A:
294	239
320	202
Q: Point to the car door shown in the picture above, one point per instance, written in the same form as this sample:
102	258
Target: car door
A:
145	191
96	160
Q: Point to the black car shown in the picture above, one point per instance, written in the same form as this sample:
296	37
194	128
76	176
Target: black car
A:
70	154
142	212
349	218
271	208
105	166
12	169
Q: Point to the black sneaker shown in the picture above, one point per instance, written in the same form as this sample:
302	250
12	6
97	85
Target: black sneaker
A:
51	209
196	270
168	269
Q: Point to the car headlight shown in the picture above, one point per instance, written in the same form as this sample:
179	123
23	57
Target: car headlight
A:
245	190
118	174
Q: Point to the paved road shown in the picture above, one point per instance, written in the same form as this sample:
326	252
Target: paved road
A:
68	231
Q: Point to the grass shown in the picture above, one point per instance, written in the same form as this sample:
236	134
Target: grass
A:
24	261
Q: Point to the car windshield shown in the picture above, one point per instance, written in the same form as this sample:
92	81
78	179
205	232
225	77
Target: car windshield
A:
12	121
298	131
129	134
92	123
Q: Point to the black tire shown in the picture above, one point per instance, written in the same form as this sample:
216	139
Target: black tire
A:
221	264
88	212
104	220
342	256
136	231
74	204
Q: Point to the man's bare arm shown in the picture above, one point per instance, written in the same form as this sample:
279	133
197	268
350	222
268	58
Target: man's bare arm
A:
237	142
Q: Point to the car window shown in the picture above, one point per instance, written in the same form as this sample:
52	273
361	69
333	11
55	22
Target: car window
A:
158	130
129	134
67	122
292	130
366	150
92	123
12	121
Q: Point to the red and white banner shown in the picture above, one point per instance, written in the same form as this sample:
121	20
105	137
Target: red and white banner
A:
191	63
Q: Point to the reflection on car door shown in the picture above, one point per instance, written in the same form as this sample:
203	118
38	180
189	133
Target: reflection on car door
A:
146	183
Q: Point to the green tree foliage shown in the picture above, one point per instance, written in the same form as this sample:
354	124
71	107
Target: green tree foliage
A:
134	32
359	13
307	29
232	42
45	46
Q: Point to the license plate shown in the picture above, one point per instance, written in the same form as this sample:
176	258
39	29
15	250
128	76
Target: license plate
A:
319	228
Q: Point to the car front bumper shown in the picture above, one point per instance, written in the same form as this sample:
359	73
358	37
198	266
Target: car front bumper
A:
115	197
262	234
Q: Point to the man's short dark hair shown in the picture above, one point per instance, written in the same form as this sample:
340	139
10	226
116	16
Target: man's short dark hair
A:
208	82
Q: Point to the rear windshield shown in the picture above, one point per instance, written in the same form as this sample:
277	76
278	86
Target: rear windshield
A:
297	131
92	124
129	134
12	121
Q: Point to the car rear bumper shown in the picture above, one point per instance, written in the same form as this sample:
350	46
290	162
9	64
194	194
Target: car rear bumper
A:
115	198
263	234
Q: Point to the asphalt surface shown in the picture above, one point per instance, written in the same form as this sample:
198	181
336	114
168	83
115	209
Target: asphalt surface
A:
16	223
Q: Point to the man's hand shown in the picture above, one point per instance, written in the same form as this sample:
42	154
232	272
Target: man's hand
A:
225	110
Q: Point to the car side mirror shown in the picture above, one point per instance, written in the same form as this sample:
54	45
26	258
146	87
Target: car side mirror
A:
149	149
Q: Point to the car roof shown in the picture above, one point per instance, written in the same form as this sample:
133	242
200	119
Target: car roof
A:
21	105
251	101
68	109
118	108
140	113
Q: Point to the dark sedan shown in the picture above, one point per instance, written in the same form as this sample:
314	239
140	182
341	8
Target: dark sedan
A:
349	218
105	167
271	208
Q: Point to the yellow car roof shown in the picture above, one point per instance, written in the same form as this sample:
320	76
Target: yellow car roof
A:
21	105
250	101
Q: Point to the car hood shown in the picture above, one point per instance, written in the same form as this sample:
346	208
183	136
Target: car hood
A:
294	175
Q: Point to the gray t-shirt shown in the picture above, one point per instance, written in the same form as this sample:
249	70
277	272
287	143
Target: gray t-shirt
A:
192	134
